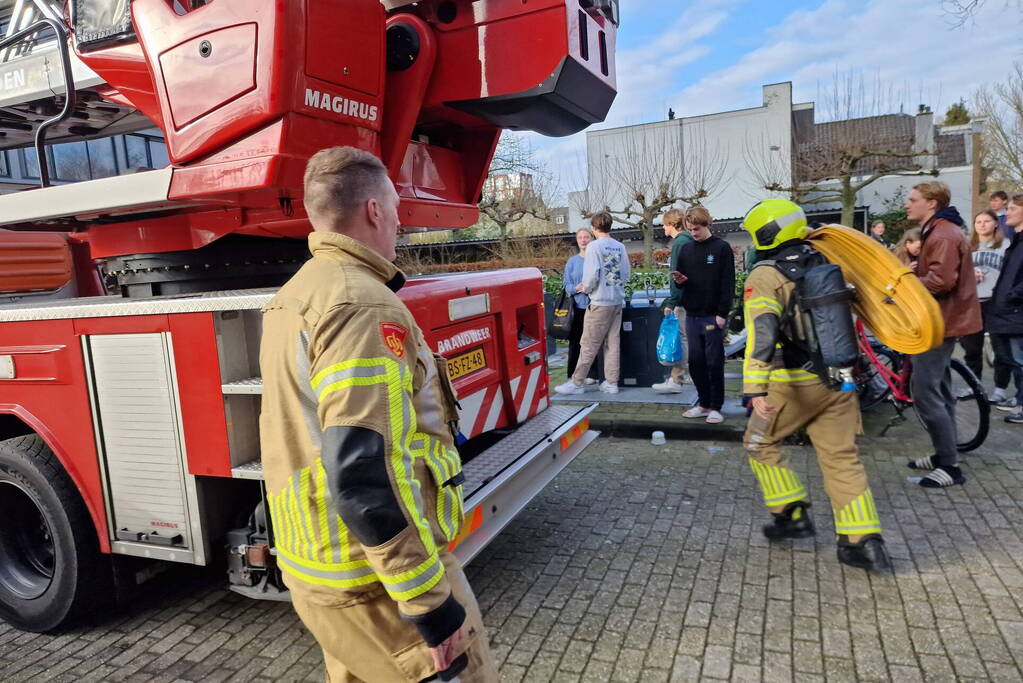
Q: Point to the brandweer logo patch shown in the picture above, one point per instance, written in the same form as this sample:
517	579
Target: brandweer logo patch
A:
394	338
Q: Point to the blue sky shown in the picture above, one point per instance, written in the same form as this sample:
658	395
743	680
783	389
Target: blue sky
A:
707	56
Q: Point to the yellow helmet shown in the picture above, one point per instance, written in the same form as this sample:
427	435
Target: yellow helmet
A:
773	222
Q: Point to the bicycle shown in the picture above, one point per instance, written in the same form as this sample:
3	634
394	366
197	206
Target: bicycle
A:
887	374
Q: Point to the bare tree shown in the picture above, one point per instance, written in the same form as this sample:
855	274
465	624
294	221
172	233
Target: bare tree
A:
857	144
962	11
518	186
1001	105
645	174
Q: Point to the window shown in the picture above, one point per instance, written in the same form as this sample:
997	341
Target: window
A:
136	151
75	161
29	162
5	170
158	152
559	220
143	151
102	162
70	162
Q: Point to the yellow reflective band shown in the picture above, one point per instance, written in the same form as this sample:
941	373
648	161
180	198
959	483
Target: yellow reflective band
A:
764	302
334	387
343	366
859	516
294	533
792	375
779	485
415	582
308	524
402	422
320	499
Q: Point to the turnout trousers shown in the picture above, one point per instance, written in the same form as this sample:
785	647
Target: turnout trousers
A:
832	420
365	639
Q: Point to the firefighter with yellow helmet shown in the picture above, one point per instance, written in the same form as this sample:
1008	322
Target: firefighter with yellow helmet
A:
790	390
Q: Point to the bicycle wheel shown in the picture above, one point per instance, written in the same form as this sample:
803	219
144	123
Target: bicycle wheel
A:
973	412
870	384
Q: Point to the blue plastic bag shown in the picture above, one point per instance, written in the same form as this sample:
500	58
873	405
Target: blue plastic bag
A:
669	341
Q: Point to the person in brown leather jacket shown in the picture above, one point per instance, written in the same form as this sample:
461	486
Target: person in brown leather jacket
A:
945	267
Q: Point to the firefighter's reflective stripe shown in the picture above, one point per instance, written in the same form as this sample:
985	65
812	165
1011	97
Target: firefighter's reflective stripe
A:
444	464
300	546
401	418
780	485
859	516
764	302
315	539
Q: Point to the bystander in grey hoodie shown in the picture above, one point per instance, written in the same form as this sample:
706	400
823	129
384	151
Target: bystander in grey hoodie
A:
605	272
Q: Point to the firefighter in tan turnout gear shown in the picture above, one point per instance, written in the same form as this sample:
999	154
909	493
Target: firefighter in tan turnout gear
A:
362	477
784	381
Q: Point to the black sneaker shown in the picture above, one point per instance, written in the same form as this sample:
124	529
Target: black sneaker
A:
870	553
1015	417
943	477
792	522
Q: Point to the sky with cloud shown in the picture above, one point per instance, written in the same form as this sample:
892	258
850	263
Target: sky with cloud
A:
709	56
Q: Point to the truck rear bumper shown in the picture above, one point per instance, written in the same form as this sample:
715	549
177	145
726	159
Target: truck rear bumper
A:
499	482
503	479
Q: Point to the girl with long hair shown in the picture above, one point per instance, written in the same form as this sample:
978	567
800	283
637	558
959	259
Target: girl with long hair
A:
989	247
908	248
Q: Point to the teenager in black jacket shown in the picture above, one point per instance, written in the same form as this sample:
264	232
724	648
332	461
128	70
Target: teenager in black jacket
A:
1006	304
707	268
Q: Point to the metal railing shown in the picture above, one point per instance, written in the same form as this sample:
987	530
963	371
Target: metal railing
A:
19	15
22	36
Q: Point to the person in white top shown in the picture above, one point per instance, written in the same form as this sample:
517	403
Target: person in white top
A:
989	247
605	272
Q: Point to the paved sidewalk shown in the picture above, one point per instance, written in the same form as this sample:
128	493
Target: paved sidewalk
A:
644	563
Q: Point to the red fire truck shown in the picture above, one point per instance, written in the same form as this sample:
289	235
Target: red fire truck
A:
129	334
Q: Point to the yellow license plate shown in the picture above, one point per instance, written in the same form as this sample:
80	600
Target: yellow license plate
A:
467	362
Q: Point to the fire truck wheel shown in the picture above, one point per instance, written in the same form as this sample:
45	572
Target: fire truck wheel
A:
51	570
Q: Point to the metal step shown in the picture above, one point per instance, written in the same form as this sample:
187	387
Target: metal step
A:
250	385
485	467
250	470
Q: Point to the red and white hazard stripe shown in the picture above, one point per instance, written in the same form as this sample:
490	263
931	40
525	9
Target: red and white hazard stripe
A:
529	398
481	411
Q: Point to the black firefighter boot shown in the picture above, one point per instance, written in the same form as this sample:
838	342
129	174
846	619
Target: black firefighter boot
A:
792	522
869	553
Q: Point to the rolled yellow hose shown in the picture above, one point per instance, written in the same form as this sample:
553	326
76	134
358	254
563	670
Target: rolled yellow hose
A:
890	299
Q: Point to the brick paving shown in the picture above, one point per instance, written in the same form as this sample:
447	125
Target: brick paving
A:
644	563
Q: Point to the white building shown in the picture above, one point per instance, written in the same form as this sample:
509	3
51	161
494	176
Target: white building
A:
733	152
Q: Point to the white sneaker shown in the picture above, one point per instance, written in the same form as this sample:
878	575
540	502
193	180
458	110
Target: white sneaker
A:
589	381
997	396
714	417
608	388
696	412
569	387
667	387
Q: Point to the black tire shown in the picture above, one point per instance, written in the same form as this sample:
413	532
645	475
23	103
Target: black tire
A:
973	411
51	570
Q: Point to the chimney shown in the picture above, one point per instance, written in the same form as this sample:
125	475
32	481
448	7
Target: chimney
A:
924	141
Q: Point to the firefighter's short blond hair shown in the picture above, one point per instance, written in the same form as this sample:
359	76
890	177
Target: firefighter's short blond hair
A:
339	181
